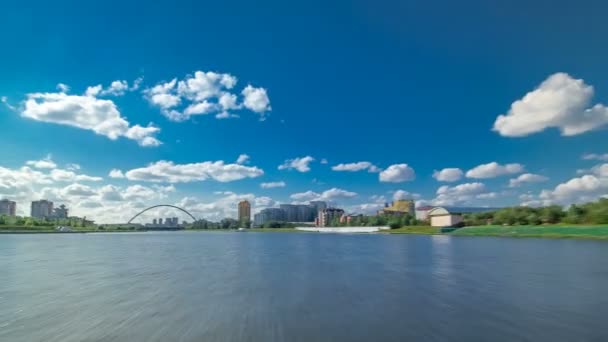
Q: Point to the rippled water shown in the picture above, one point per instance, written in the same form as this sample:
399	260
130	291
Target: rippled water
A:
184	286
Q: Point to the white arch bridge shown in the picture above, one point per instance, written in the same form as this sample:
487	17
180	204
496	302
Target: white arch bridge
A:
163	205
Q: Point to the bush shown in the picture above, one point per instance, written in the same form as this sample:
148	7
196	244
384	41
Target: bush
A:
394	225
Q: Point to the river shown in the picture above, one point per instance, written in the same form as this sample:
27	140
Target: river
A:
186	286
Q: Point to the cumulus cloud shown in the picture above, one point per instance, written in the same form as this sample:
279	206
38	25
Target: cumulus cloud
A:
270	185
256	99
116	88
46	163
78	190
167	171
493	169
116	173
397	173
205	93
60	175
595	156
82	194
299	164
448	175
86	112
72	166
560	102
358	166
586	188
327	195
242	159
402	194
459	194
526	178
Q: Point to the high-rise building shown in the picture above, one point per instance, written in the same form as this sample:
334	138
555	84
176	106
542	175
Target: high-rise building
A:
327	215
318	205
244	211
42	209
291	212
61	212
7	207
268	215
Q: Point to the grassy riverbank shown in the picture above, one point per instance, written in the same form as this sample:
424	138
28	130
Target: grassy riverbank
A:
599	232
558	231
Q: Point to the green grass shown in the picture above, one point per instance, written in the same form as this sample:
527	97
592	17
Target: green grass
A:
548	231
413	230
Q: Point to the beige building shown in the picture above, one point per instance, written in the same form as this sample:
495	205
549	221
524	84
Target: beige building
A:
42	209
398	208
441	217
327	215
244	211
7	207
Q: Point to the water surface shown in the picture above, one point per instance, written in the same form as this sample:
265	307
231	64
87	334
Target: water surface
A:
184	286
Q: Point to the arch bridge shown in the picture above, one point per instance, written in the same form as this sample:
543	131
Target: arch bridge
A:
163	205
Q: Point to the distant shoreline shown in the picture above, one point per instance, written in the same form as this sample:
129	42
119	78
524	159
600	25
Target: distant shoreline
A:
557	231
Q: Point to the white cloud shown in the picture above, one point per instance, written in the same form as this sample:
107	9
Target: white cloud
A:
167	171
494	169
271	185
327	195
205	93
448	175
402	194
576	190
110	193
46	163
586	188
116	88
116	173
242	159
324	161
299	164
526	178
60	175
358	166
228	101
397	173
4	100
72	166
78	190
459	194
256	99
561	102
62	87
205	85
226	115
86	112
595	156
143	135
204	107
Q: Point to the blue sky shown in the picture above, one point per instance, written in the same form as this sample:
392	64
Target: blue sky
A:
386	83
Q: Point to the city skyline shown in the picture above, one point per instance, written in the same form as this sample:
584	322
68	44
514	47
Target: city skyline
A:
360	110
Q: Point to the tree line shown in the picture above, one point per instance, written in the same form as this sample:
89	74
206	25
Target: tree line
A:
43	222
588	213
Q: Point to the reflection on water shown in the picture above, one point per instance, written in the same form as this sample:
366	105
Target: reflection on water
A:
299	287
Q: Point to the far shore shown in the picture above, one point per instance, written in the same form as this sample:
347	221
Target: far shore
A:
555	231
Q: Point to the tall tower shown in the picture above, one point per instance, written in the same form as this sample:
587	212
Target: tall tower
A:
42	209
244	212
